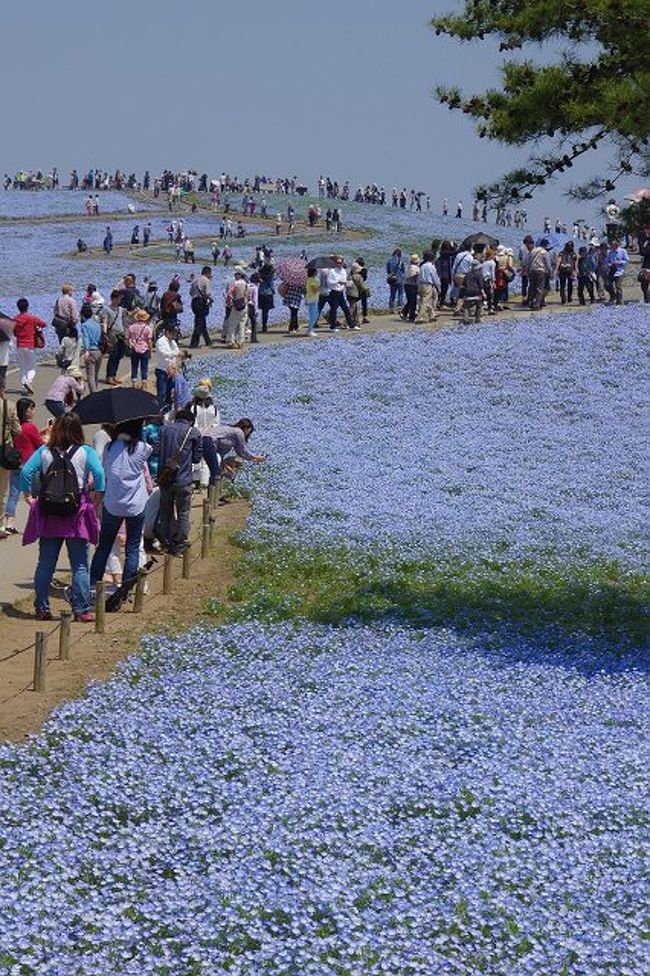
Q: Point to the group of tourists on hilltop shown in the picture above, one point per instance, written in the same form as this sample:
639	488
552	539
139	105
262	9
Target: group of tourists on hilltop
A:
134	484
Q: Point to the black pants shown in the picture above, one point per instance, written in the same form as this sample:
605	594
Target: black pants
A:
115	357
364	305
410	309
566	287
338	299
252	318
293	319
200	310
584	282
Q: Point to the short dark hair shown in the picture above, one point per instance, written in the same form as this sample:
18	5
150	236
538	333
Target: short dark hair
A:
22	304
206	270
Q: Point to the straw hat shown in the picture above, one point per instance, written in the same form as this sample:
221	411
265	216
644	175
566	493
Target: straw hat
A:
141	315
414	259
76	374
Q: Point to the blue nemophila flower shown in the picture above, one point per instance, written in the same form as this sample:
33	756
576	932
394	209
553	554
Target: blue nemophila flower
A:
314	800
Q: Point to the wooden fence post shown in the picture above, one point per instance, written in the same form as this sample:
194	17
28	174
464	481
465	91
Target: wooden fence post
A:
187	561
100	607
138	601
64	635
40	656
167	575
205	530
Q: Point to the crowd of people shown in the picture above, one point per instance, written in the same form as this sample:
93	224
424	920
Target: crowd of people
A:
173	185
133	484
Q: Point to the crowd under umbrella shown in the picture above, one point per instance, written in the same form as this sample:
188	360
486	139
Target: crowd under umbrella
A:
480	239
115	406
554	242
293	271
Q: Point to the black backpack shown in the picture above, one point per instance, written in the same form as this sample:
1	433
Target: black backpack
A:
60	493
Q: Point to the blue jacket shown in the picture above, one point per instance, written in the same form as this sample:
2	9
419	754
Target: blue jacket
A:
171	438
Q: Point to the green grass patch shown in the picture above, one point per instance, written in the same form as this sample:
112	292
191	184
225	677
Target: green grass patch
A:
334	585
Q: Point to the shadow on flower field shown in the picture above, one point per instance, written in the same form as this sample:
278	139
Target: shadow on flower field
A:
335	586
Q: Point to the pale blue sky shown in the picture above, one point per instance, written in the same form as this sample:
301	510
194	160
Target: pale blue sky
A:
342	87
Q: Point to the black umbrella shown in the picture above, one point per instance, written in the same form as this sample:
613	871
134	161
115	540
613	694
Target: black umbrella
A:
115	406
328	261
485	239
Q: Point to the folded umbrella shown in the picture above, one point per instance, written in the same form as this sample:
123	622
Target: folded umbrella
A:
115	405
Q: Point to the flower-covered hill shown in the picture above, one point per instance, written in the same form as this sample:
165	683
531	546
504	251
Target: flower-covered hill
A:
311	801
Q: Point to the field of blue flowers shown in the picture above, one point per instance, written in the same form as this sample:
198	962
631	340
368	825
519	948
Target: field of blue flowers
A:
315	801
416	743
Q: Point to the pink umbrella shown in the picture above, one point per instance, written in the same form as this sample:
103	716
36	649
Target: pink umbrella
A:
293	271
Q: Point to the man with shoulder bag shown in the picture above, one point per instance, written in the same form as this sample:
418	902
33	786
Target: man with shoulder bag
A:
114	336
201	296
180	448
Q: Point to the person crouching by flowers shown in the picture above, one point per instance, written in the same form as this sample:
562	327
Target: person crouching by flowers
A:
64	392
77	529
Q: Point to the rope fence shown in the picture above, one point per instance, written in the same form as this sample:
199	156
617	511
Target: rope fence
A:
200	543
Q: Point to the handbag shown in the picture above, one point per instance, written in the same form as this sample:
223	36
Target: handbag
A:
9	455
170	468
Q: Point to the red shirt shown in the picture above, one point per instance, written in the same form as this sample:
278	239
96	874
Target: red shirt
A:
25	329
28	440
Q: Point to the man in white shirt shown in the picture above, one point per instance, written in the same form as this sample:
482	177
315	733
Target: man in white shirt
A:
167	359
337	279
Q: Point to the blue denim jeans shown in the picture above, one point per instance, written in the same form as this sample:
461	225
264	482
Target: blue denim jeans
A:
211	458
14	493
48	555
140	359
312	312
108	533
163	389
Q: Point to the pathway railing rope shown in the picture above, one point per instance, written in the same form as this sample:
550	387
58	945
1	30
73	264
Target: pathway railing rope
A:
200	543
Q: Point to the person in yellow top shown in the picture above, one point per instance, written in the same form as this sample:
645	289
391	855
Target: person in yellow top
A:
312	292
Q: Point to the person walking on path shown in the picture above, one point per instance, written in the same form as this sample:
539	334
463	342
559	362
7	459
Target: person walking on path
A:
140	337
292	298
409	311
538	269
114	327
28	335
201	298
171	306
91	341
238	311
353	290
428	289
586	275
64	392
180	441
77	529
566	268
26	441
266	292
167	359
125	497
66	313
9	428
616	262
312	291
337	279
395	271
